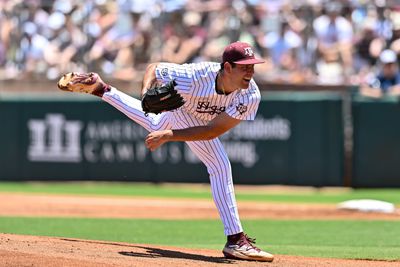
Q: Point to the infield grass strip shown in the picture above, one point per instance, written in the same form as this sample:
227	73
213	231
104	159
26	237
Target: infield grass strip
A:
199	192
378	240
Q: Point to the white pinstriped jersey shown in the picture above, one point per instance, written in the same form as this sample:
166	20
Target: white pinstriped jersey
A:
196	84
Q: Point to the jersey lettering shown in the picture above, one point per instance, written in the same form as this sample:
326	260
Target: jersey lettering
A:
205	107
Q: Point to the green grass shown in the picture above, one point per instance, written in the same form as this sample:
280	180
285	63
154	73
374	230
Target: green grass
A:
202	192
377	240
373	239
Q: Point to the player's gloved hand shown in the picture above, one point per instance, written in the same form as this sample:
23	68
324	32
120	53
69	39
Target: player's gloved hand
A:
162	98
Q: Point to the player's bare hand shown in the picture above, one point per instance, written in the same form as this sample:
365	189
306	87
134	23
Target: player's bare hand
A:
155	139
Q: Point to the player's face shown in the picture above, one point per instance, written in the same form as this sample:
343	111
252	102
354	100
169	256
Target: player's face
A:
242	75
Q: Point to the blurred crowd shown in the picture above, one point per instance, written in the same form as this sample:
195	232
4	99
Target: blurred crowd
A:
303	41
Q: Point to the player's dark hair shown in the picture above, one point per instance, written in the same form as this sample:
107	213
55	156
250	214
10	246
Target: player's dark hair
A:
232	64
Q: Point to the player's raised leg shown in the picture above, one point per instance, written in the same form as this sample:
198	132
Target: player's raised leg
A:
132	108
91	83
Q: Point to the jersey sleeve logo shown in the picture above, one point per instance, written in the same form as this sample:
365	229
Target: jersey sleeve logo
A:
241	108
164	72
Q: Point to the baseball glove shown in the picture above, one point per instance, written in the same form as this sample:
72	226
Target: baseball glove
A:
162	98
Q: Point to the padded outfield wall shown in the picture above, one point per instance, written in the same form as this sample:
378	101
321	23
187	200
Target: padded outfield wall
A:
376	156
296	139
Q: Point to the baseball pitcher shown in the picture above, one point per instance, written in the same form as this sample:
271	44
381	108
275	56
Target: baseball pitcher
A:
194	103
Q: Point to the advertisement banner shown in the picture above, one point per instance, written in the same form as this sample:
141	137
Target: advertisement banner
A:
291	141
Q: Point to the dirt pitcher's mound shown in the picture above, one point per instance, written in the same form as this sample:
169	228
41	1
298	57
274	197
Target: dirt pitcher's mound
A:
22	250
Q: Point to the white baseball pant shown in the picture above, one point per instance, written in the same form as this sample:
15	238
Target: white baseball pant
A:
211	152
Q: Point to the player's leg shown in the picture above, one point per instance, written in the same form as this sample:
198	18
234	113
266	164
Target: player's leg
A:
213	155
91	83
132	108
238	245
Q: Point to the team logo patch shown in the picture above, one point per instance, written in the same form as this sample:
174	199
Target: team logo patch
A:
164	72
241	108
248	52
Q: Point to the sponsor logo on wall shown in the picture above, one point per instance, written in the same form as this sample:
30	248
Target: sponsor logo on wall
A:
56	138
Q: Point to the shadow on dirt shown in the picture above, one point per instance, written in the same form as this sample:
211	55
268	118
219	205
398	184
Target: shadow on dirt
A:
164	253
156	252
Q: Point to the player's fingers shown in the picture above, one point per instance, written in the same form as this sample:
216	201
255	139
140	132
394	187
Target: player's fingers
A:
147	142
150	142
151	146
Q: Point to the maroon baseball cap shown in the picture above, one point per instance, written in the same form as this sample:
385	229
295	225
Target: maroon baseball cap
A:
240	53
